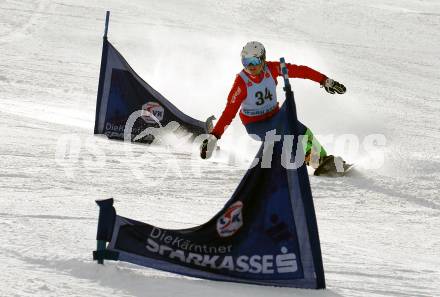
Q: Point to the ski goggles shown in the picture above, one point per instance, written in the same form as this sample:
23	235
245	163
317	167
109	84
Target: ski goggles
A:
252	61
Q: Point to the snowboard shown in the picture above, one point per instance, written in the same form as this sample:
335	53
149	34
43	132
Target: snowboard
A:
333	166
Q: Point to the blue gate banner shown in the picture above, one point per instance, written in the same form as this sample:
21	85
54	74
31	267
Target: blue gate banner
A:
121	92
265	234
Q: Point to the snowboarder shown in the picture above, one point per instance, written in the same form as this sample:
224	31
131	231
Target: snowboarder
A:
254	90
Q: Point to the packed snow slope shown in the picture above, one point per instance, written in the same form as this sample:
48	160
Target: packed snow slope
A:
379	227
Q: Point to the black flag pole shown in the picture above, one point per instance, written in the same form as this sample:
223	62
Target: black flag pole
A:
101	244
107	19
288	90
102	71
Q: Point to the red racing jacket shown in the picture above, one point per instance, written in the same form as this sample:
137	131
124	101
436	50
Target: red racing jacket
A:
238	94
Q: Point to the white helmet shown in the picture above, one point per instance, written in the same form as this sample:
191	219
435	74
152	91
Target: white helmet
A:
253	49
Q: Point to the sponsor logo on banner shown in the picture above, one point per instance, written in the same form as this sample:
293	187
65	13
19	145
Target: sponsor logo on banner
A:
231	220
152	112
176	248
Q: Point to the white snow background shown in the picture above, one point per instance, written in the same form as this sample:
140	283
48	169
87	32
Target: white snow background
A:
379	227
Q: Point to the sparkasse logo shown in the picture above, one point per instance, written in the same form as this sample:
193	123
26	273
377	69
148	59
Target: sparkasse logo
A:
152	110
231	220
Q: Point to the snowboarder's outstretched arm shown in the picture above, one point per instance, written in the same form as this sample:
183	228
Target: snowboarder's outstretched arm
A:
300	71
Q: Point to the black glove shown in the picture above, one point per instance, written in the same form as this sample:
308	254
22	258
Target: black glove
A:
332	86
208	146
